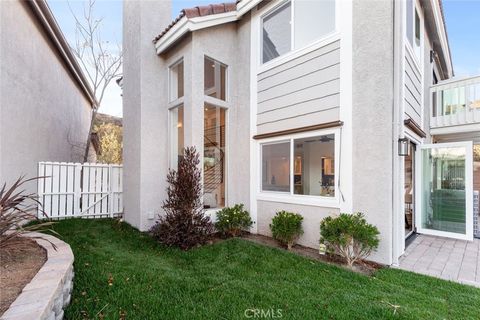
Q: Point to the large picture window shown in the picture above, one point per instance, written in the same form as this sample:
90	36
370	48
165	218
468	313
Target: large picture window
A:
314	170
300	166
296	24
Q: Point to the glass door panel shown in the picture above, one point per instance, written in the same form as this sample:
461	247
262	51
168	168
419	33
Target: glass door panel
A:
446	190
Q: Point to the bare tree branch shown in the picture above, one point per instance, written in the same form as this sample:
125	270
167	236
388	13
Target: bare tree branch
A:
100	64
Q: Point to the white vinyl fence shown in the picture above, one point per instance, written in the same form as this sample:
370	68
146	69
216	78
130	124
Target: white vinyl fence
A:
79	190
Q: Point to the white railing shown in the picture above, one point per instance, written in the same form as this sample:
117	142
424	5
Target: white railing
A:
455	102
79	190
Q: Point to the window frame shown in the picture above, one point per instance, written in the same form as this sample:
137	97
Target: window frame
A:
214	100
177	100
291	197
171	151
416	8
271	10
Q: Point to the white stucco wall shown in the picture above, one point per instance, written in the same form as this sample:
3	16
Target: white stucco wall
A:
145	116
372	109
44	116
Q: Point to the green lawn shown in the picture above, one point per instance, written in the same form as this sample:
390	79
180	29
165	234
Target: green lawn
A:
221	281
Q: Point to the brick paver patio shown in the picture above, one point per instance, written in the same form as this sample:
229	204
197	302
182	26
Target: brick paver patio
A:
449	259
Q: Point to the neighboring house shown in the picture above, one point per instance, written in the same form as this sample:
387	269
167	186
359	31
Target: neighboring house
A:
306	106
45	100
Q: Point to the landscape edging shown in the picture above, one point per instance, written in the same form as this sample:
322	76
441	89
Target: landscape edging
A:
49	291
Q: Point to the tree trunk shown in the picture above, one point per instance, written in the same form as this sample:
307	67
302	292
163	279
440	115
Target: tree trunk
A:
90	131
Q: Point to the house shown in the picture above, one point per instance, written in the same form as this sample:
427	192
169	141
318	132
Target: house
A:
316	107
46	102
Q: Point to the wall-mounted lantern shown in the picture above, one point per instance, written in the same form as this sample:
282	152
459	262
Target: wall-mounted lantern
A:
403	147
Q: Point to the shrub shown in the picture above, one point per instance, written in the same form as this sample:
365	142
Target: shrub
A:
184	223
16	209
232	221
350	236
286	227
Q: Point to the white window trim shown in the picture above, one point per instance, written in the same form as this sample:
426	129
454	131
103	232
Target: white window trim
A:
294	52
173	65
418	61
170	133
291	197
216	104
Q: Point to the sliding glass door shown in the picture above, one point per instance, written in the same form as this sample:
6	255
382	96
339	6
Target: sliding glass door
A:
446	190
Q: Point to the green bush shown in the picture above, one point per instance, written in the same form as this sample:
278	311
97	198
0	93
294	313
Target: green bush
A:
231	221
350	236
286	227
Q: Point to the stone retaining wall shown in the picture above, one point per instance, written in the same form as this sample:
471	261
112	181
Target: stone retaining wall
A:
49	292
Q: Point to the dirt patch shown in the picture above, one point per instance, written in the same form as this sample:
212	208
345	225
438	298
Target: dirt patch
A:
364	267
18	265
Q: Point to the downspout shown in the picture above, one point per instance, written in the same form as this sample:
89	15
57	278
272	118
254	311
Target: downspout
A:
396	127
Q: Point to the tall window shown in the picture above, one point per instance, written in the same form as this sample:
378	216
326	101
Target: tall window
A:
176	136
298	20
311	166
215	79
176	81
214	153
414	28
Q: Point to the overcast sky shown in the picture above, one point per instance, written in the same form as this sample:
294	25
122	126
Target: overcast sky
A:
462	19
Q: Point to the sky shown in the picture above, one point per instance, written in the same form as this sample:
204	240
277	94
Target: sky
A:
462	20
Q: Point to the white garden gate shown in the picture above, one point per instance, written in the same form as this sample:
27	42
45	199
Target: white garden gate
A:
79	190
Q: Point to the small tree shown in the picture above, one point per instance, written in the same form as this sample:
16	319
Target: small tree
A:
110	136
100	60
350	236
184	223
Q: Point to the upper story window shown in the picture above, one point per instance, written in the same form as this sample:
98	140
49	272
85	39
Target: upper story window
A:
294	25
215	79
176	81
414	28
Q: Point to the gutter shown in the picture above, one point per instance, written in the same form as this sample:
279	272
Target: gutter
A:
47	20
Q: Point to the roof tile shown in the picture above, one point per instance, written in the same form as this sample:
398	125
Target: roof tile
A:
200	11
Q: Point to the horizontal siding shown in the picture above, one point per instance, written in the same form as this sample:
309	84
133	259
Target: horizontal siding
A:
298	121
303	91
413	89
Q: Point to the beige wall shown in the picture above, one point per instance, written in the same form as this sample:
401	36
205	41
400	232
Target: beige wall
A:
373	117
145	116
301	92
44	116
311	219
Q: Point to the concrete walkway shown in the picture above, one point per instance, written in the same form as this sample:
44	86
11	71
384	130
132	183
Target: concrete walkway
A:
449	259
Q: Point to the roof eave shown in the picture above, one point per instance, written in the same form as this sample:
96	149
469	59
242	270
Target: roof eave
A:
185	24
48	22
438	35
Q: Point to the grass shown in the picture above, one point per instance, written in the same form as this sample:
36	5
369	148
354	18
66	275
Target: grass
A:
122	273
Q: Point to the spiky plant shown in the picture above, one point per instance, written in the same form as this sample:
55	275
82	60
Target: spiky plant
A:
184	223
17	208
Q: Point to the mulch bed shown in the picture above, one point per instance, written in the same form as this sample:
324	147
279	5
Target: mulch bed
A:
18	265
364	267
